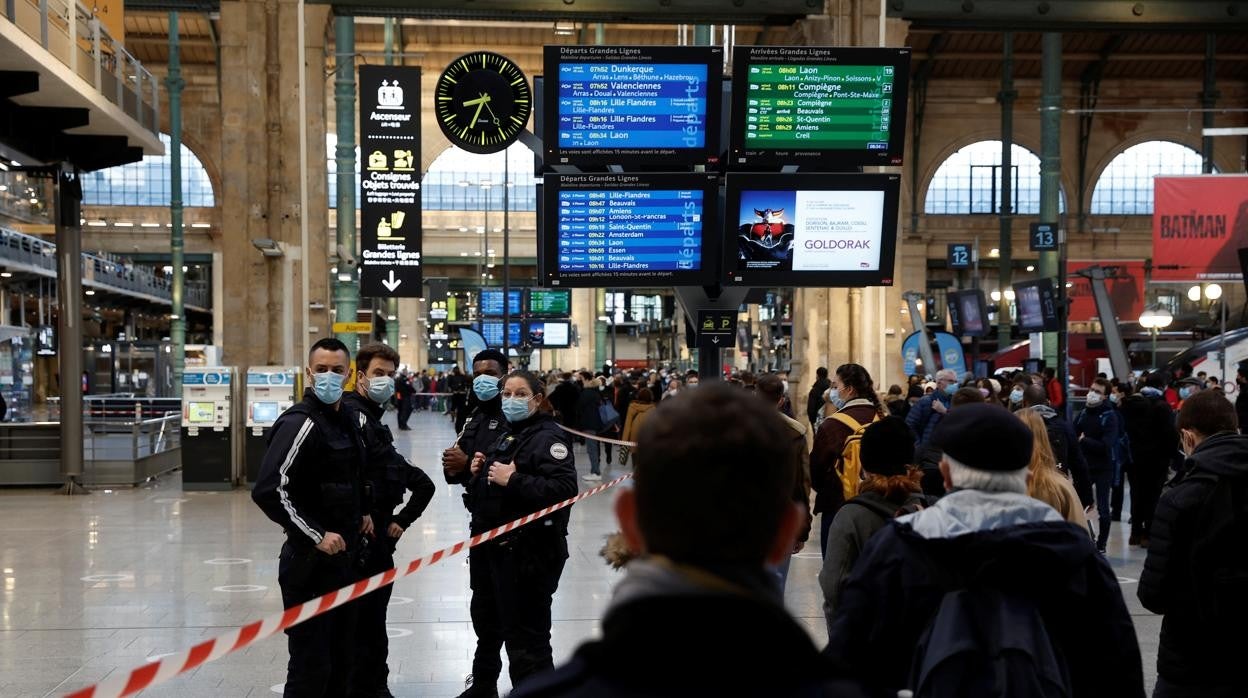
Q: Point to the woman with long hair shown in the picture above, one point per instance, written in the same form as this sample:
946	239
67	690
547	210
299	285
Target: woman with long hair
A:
1044	481
853	397
891	485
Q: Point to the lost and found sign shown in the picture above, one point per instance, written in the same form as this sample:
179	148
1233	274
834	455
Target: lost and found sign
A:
390	238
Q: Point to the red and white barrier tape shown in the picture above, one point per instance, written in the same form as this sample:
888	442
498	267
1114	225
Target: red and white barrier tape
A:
157	672
570	430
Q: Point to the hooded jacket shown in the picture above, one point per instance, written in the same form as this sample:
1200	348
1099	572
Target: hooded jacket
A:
637	414
971	539
705	633
1190	652
829	442
854	524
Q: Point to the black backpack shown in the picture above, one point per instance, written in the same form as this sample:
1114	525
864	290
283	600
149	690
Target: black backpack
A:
1219	572
987	643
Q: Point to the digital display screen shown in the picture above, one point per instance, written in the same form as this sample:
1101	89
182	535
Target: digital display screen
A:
811	229
492	331
549	303
1036	303
648	105
201	412
264	412
812	105
968	313
492	302
549	334
635	229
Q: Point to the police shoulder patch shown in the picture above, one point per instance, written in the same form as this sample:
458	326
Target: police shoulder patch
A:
558	451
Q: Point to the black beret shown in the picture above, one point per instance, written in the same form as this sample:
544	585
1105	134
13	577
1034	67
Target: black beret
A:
887	447
984	437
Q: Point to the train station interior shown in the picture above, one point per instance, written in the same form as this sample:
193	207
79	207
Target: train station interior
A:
191	195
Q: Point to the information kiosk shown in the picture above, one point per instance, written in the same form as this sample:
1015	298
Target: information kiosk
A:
209	451
271	390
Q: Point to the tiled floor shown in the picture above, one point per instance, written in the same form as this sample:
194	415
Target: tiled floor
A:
98	584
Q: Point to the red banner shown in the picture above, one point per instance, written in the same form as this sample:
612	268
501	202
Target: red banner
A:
1124	281
1199	223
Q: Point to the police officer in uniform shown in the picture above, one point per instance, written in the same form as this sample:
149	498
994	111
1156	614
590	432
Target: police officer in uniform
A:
310	484
388	476
484	422
514	576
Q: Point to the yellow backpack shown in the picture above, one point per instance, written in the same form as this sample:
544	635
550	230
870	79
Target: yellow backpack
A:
849	465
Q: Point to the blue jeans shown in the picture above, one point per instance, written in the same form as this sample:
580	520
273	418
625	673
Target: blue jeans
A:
591	448
782	571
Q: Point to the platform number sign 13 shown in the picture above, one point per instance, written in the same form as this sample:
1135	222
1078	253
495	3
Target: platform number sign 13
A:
959	256
1043	237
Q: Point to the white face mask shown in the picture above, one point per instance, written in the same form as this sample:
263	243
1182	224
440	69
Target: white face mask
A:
1095	399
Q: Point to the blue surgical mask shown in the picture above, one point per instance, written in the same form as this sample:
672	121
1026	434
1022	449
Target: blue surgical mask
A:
486	387
1016	396
834	397
1185	392
516	409
380	389
328	386
1113	397
951	389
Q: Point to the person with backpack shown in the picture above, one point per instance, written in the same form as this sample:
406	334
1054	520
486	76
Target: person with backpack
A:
814	399
988	592
1099	430
922	420
1195	574
891	486
1064	443
835	468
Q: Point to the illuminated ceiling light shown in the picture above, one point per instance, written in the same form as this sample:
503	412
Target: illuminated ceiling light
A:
565	28
489	251
4	187
96	224
463	254
1031	267
6	274
1193	294
90	292
1009	294
1213	292
34	200
392	318
995	295
994	252
463	229
123	224
149	225
201	225
402	336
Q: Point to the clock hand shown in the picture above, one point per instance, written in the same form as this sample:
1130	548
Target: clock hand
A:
480	104
492	114
479	100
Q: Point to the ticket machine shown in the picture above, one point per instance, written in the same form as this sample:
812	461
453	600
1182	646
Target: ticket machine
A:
209	450
271	390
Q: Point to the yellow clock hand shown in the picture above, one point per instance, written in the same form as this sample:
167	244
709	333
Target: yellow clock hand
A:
492	114
479	100
480	104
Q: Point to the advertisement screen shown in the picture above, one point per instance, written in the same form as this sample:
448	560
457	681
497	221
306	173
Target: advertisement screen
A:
812	230
629	230
1037	306
818	106
549	334
201	412
1199	224
640	105
968	313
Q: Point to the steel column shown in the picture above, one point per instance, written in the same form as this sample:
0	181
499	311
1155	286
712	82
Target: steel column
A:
1050	189
68	193
1006	98
177	322
346	292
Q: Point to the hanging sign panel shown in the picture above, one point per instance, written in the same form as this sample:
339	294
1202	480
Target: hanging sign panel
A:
1199	223
390	237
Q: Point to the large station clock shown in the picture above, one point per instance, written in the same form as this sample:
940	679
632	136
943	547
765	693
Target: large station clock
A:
482	102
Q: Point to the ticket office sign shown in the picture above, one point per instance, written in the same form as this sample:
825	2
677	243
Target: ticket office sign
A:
390	238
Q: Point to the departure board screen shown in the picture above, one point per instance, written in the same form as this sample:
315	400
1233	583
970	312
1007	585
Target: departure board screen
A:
819	106
492	331
629	229
811	229
623	105
492	302
543	302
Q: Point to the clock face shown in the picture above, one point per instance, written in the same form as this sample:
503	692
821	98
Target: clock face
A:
482	102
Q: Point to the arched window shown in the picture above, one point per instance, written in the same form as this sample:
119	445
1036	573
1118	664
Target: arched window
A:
969	181
461	181
1126	184
146	183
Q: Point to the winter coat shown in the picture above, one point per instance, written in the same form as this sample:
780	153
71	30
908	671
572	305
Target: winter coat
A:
829	442
588	418
1099	428
1190	652
1066	450
1150	428
922	419
1003	541
637	412
854	524
814	399
801	463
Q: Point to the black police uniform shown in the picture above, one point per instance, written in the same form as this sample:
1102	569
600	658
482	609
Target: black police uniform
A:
514	576
480	430
310	484
387	476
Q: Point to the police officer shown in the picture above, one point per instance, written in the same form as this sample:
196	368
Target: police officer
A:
514	576
484	422
310	484
387	476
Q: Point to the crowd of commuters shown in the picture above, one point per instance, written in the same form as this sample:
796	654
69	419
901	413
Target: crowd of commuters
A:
963	523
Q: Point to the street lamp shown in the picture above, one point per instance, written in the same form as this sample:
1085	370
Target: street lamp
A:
1154	319
1213	292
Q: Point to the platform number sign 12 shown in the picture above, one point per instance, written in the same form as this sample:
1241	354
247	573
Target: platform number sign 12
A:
1043	237
959	256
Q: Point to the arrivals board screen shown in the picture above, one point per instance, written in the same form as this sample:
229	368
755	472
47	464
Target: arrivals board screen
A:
632	105
544	302
548	334
811	229
492	331
623	230
812	106
492	302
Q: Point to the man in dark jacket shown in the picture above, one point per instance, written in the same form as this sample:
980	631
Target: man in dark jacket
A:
1098	428
484	422
563	399
404	395
1063	441
1241	400
814	399
1194	574
1154	440
590	421
987	550
699	614
923	419
388	476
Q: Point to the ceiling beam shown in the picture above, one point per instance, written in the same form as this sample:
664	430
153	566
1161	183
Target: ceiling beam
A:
1073	15
1080	57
